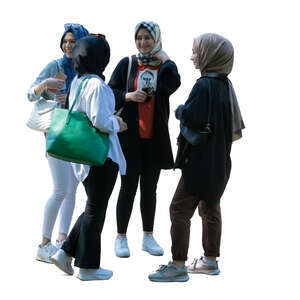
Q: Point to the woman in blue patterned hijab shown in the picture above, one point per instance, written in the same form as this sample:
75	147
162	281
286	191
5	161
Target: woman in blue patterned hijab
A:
78	31
53	83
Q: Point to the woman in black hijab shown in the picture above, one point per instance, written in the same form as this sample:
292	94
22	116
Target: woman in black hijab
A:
90	57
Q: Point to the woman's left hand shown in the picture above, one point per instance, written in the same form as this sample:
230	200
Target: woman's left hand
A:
62	98
122	124
178	111
161	55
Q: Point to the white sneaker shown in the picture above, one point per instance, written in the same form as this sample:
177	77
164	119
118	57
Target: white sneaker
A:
45	252
63	261
201	266
151	246
94	274
121	246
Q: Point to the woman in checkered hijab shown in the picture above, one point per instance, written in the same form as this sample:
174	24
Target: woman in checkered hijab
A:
142	85
149	58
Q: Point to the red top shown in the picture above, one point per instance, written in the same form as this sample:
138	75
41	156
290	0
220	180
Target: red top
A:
146	79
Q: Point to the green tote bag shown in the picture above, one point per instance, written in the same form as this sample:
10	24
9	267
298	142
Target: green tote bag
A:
72	137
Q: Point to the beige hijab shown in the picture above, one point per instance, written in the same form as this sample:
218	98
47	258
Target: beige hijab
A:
215	55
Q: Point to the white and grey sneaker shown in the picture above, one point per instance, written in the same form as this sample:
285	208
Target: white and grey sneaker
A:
94	274
45	252
63	262
151	246
202	266
121	246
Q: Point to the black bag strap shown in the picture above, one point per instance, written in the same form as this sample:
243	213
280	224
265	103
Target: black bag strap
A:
220	76
131	59
132	73
128	72
210	103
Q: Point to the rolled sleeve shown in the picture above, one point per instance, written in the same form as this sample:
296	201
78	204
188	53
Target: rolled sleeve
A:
50	70
178	112
31	95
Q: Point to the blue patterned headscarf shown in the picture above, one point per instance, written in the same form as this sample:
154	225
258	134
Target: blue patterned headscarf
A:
79	31
154	30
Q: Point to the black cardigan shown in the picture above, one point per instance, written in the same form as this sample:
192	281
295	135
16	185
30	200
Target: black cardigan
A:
206	169
168	81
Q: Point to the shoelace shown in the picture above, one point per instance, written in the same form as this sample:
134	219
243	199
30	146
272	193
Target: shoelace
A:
124	243
152	242
162	268
51	249
194	263
206	264
59	244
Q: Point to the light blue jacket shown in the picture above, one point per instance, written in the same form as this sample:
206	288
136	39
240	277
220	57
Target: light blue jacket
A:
49	71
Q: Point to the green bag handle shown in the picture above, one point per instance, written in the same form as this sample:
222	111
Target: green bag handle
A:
83	82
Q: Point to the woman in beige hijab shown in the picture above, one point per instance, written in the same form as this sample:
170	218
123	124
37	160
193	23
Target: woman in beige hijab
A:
210	121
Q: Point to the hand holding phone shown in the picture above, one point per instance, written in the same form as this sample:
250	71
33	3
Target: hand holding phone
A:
55	84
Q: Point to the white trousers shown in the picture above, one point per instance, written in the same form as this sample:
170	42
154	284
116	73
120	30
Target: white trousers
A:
62	199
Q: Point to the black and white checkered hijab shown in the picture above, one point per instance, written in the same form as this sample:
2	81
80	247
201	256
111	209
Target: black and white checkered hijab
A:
154	30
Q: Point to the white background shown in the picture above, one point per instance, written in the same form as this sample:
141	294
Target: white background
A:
260	242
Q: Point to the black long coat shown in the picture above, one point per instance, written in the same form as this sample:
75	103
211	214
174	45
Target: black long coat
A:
206	169
168	81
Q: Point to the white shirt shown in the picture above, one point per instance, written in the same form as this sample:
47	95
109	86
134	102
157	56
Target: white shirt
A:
97	101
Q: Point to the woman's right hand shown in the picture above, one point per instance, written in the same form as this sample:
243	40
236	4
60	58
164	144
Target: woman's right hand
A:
136	96
54	83
122	124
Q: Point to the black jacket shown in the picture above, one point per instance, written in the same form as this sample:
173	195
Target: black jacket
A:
168	81
206	169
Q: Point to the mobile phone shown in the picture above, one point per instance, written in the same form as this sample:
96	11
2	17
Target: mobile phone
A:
58	75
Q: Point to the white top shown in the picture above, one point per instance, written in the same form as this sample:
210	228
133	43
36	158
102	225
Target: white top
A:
97	101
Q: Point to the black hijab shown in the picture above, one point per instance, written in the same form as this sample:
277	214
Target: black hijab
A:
90	55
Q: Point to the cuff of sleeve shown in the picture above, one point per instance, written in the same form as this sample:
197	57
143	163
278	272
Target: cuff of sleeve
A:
32	96
116	126
178	112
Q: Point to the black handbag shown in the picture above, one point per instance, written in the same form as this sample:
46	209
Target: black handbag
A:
198	137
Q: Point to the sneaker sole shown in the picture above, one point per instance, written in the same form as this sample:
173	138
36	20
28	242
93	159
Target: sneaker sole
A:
57	264
123	256
176	279
93	278
205	273
44	260
154	254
